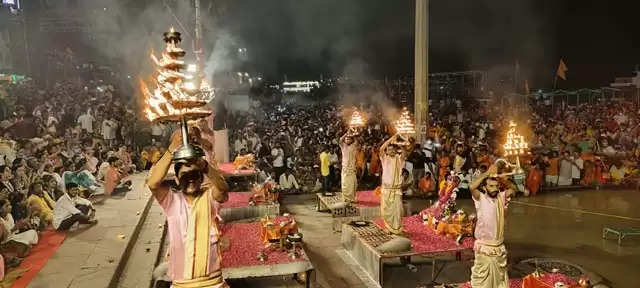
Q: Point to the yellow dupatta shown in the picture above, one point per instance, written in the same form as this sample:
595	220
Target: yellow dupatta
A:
197	245
500	216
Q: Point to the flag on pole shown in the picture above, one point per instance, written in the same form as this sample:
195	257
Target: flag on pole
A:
562	70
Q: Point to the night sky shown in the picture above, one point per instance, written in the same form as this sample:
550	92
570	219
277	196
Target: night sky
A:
372	39
306	38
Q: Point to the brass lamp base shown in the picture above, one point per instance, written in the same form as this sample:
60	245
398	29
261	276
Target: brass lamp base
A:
187	152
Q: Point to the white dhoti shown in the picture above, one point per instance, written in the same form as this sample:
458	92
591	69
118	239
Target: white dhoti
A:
349	185
490	267
391	209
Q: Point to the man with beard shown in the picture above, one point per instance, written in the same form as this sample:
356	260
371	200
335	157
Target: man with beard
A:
349	146
393	155
191	210
490	265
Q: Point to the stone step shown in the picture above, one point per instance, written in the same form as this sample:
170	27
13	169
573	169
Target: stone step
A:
146	251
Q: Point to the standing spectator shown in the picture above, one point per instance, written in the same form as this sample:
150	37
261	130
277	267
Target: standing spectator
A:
278	159
325	162
86	121
109	127
551	171
565	172
418	160
576	170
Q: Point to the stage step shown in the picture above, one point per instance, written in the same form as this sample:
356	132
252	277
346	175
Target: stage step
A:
145	252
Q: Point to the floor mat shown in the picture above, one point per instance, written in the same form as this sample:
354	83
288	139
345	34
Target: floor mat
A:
48	244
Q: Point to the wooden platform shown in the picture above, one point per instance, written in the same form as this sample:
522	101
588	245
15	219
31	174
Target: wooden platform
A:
361	242
366	208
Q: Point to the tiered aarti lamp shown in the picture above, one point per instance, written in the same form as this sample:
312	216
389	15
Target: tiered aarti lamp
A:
515	146
176	98
404	125
357	120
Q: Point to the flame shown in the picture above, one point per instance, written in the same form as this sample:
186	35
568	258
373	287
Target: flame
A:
404	125
171	94
515	143
357	120
172	30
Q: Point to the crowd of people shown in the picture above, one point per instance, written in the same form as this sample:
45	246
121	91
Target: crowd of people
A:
61	150
589	145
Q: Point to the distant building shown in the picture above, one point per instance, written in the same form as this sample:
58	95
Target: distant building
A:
299	86
625	87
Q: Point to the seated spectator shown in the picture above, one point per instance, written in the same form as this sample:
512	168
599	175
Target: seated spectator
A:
82	177
49	170
113	178
19	235
288	182
19	209
427	185
67	212
40	204
6	187
51	187
407	183
127	164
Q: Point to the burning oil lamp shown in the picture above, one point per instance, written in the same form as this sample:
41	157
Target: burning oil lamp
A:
173	99
515	145
404	125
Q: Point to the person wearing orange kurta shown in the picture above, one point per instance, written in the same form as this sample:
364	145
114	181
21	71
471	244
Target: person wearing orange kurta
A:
374	166
361	162
444	163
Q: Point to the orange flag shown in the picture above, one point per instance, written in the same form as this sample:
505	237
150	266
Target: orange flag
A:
562	70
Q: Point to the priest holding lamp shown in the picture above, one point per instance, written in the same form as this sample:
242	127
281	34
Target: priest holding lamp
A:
393	154
350	144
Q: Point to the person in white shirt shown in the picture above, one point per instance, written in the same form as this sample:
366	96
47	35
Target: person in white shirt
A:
86	121
109	130
66	212
576	168
288	182
278	159
104	166
240	144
